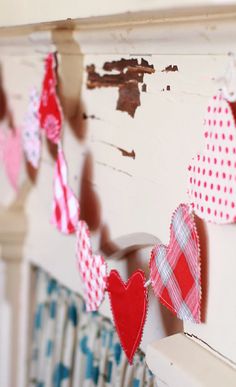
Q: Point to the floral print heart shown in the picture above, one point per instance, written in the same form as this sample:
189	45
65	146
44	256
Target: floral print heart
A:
50	112
129	309
212	173
92	268
175	269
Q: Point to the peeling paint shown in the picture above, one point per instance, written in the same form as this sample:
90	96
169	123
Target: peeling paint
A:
124	152
167	88
170	68
127	154
129	98
91	116
130	74
144	88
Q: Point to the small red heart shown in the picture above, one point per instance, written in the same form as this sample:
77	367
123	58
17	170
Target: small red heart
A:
129	309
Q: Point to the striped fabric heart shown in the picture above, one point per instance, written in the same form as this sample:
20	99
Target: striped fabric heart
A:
175	269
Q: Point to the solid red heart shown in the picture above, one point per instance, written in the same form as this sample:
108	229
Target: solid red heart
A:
129	309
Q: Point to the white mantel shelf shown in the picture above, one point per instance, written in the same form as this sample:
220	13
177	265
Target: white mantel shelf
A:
177	361
31	12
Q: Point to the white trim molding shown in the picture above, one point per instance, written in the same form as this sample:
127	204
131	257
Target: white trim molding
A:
178	361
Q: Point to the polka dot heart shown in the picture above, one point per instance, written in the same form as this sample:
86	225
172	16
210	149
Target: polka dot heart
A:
212	173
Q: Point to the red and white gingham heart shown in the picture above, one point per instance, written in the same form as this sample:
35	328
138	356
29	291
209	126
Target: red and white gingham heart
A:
175	269
212	174
92	268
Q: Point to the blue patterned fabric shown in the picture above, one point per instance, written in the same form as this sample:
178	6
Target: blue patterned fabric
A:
72	348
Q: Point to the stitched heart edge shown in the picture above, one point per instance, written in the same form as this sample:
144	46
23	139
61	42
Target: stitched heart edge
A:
145	313
186	208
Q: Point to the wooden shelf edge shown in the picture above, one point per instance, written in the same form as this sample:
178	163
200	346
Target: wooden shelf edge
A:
179	361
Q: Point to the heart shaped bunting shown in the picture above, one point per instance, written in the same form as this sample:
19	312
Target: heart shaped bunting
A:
31	133
92	269
129	309
65	213
175	269
50	111
212	174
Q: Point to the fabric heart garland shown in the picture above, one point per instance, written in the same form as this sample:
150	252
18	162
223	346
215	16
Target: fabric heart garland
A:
129	308
175	269
31	131
65	213
50	111
92	268
212	173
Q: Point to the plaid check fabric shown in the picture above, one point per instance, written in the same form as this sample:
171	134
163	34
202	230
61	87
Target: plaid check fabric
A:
65	213
92	268
175	269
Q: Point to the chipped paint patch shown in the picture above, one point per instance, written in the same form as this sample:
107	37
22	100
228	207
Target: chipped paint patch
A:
144	88
128	74
91	116
129	98
124	152
170	68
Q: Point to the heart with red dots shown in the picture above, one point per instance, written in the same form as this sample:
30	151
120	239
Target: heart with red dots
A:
212	173
92	268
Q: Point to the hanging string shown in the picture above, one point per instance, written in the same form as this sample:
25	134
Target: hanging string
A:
148	283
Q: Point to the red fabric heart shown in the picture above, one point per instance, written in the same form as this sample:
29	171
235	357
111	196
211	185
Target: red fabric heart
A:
129	309
49	109
175	269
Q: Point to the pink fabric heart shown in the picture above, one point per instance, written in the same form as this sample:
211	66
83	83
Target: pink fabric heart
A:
92	268
65	212
31	131
212	173
12	155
